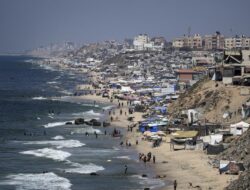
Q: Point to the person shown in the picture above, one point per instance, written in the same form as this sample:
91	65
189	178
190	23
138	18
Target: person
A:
126	169
154	159
145	159
96	135
136	142
121	143
175	184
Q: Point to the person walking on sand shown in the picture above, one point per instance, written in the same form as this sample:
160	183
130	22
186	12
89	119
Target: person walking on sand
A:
154	159
175	184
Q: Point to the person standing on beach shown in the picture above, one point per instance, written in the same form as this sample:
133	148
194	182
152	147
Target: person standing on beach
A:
145	160
154	159
96	135
126	169
175	184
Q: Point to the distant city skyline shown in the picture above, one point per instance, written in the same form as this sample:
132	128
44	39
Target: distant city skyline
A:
28	24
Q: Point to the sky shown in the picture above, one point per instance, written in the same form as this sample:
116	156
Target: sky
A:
27	24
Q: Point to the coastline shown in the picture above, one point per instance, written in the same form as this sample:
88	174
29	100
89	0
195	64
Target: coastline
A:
190	168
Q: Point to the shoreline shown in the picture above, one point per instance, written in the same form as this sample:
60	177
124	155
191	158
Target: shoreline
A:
189	167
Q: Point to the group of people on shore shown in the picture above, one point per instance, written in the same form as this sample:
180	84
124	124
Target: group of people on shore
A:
147	157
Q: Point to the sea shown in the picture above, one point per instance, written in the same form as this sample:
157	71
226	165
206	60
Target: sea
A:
39	151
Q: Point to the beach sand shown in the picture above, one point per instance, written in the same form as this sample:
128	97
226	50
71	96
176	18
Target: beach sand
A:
189	167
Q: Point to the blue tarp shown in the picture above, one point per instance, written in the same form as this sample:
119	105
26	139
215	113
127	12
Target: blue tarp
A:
144	127
161	109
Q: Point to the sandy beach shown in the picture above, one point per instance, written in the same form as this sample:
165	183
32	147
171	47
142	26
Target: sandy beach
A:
189	167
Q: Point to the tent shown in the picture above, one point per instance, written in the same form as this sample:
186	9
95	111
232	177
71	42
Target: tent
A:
162	109
239	128
185	134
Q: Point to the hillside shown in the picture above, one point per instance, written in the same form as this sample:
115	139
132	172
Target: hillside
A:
212	99
239	150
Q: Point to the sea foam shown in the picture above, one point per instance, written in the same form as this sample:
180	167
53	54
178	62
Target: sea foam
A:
84	169
58	137
39	98
57	155
48	181
57	143
56	124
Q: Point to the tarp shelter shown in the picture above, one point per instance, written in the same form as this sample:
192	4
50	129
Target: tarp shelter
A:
126	89
162	109
213	139
214	149
239	128
185	134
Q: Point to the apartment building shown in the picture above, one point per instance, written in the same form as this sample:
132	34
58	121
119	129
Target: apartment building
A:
143	42
214	41
237	42
193	42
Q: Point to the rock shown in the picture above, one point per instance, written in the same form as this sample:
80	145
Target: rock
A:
147	188
94	174
79	121
144	175
68	123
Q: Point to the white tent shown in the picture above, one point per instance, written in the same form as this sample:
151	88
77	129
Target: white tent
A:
126	89
239	128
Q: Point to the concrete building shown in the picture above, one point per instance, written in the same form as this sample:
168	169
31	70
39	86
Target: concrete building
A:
178	43
237	42
193	42
140	41
214	41
143	42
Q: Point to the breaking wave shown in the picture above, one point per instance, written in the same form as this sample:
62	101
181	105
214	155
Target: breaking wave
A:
57	155
57	143
48	181
84	169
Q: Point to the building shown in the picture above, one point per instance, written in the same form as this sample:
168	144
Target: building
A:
140	41
235	68
214	41
178	43
237	42
192	42
188	75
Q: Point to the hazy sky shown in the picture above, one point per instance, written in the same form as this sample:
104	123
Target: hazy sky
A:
26	24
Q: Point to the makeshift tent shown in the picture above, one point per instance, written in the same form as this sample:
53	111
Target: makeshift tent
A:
126	89
185	134
214	149
162	109
239	128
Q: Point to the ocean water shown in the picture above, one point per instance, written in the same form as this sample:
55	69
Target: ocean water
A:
37	149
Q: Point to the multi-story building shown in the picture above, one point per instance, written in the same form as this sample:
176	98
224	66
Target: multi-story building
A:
193	42
140	41
237	42
143	42
214	41
178	43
